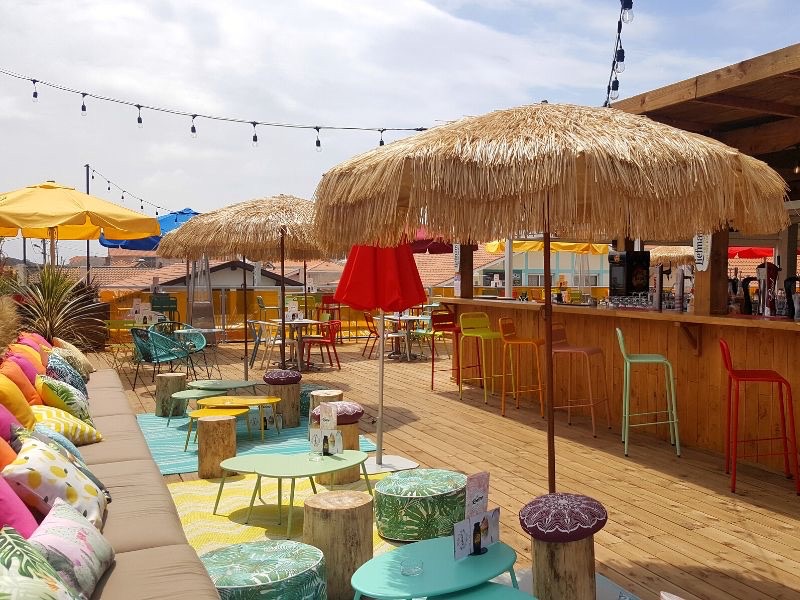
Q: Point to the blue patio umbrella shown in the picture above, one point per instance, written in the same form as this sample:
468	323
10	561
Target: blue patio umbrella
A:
167	222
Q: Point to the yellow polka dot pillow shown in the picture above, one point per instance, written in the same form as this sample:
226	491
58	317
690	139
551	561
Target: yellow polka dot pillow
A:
72	428
40	475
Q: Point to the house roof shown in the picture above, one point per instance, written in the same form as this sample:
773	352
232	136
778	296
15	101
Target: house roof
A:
176	274
437	269
101	276
313	265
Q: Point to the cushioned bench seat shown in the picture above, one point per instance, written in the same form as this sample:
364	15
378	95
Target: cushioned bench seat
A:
122	440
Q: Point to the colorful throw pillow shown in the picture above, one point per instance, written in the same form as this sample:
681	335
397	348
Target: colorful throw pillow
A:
64	396
58	439
60	369
39	475
15	402
24	364
26	574
29	353
40	339
60	421
74	548
15	373
7	421
65	345
34	345
14	513
77	362
7	454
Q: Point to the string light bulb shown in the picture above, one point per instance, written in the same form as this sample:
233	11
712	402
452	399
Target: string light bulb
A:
122	197
139	118
35	97
619	60
380	143
614	94
83	104
193	129
255	134
109	186
156	212
627	11
318	142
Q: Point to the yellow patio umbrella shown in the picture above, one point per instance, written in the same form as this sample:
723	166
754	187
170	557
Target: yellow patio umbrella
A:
499	246
50	210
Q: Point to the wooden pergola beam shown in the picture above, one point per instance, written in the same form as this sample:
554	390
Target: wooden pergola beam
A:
763	139
763	106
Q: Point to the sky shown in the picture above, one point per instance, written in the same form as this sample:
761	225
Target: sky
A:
382	63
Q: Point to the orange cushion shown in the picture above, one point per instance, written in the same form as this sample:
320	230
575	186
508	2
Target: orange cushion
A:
29	353
7	454
15	373
15	402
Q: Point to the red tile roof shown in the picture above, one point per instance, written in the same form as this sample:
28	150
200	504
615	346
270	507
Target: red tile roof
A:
436	269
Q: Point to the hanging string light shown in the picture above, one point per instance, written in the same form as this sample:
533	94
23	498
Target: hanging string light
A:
83	104
380	143
618	57
255	134
126	194
193	128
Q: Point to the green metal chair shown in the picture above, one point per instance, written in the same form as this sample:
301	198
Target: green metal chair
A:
156	349
194	341
672	408
476	325
166	305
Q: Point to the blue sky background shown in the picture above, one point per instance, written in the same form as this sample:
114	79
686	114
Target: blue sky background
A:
374	63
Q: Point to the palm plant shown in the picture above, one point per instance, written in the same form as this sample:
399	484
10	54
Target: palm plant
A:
56	305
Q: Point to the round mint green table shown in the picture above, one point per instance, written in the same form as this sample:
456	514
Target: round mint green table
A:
288	466
267	570
222	385
381	578
488	591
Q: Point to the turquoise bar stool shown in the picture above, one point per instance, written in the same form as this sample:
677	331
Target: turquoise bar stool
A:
476	325
672	407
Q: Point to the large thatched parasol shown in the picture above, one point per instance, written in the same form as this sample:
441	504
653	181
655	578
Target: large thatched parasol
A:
677	256
268	229
578	172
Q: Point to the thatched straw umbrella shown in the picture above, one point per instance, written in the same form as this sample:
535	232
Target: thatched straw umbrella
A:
266	229
578	172
678	256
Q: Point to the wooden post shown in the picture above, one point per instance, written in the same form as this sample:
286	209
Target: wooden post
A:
289	406
465	270
340	524
351	474
166	385
319	396
787	250
711	285
216	441
564	571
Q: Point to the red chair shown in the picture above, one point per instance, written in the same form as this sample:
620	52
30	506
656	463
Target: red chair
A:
330	329
373	333
444	321
732	441
329	305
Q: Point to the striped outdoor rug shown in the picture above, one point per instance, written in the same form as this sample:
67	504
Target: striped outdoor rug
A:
166	443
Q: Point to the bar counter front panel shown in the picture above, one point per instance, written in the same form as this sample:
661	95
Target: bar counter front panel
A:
690	342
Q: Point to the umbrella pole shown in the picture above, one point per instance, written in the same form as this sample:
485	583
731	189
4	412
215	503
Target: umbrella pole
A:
244	287
548	354
305	292
282	307
379	433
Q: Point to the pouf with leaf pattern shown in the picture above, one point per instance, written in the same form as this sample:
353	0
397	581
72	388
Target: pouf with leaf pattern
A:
419	504
267	570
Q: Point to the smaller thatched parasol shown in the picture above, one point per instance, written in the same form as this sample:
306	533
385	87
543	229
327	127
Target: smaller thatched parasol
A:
677	256
265	229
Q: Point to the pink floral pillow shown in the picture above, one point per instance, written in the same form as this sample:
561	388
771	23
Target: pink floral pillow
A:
74	547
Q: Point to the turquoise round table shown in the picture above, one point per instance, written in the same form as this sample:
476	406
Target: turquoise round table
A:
380	578
222	385
488	591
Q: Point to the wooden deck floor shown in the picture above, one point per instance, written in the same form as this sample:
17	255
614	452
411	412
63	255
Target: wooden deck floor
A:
673	524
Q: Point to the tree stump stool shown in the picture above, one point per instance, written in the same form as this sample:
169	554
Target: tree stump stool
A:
166	385
216	441
319	396
340	524
285	384
348	415
562	528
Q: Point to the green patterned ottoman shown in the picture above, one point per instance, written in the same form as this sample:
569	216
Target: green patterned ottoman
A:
267	570
419	504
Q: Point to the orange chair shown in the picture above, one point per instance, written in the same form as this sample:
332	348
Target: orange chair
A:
732	441
328	339
508	333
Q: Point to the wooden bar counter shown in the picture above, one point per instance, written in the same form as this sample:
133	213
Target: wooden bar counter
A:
690	342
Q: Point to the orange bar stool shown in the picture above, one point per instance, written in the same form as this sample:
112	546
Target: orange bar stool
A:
732	441
511	341
444	322
562	348
476	325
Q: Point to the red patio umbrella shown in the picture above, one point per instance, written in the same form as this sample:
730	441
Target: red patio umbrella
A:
749	252
386	279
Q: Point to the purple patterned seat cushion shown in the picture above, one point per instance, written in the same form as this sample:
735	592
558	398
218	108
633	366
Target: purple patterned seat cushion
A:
562	517
346	412
282	377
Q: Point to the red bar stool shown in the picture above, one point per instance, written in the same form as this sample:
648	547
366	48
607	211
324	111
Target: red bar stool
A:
444	322
732	441
511	341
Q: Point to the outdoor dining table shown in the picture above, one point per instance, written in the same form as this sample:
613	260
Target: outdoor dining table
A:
406	321
289	466
382	578
297	326
213	330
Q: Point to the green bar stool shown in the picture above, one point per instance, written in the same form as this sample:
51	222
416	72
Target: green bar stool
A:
476	325
672	408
